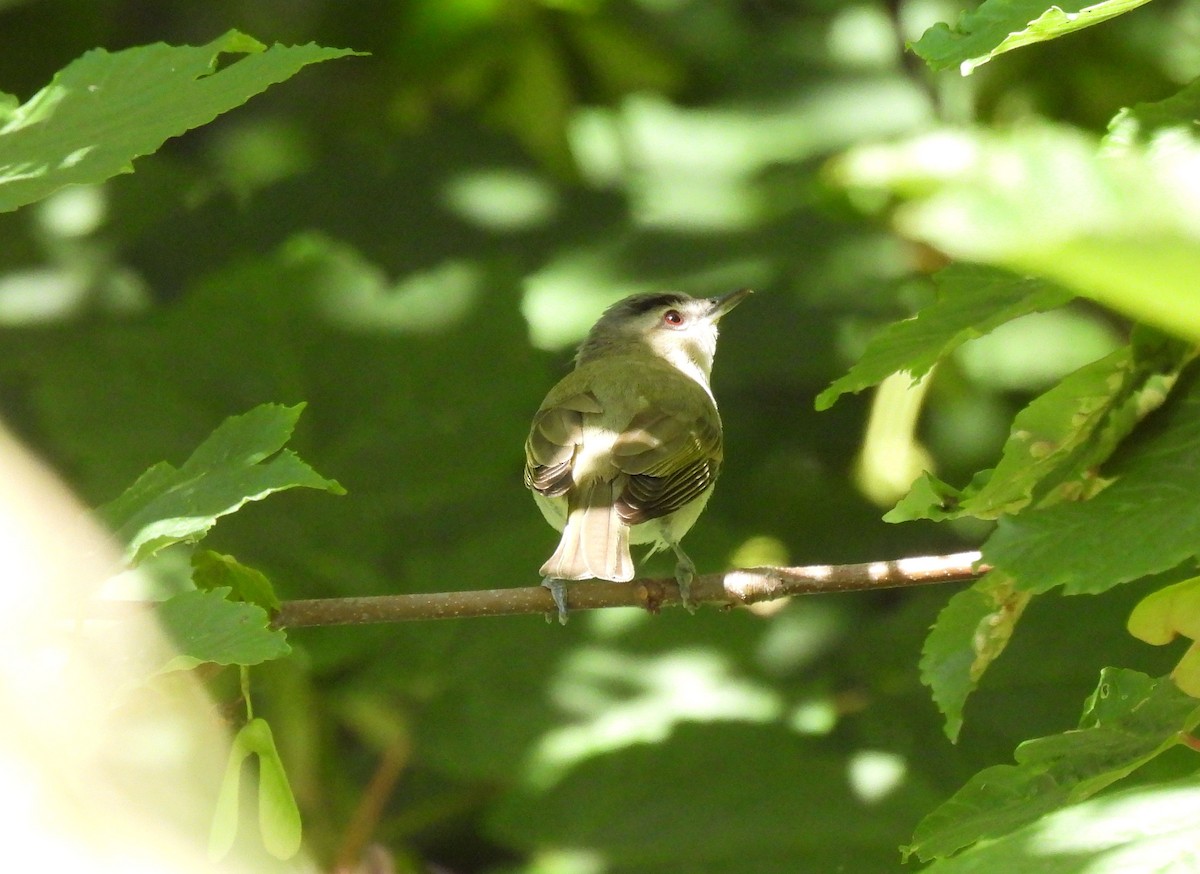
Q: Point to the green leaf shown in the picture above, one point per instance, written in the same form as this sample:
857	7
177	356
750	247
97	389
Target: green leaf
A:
208	627
1059	439
970	633
999	26
1141	123
1127	721
239	462
1146	522
930	498
212	570
105	109
972	300
278	815
1121	226
1149	829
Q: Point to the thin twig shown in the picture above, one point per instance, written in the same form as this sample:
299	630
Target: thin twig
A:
729	589
370	807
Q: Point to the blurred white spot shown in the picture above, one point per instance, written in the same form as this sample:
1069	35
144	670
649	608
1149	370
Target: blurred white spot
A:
75	211
44	295
501	199
875	774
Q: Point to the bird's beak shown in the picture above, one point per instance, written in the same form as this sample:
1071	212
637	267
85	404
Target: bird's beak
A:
722	305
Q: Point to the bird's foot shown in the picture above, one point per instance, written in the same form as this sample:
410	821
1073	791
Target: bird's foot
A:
685	572
558	591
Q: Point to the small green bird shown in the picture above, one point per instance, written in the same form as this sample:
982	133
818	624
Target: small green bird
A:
627	447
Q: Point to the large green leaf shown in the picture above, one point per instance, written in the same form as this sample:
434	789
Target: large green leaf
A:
999	26
240	461
105	109
972	301
1128	720
1119	225
1059	439
1146	522
1149	829
208	627
970	633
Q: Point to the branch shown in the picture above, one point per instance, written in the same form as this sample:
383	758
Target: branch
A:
735	588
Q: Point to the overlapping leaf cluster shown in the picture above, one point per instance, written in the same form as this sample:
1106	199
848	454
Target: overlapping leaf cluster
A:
1097	483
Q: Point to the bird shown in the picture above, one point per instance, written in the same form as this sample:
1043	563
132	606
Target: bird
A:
626	448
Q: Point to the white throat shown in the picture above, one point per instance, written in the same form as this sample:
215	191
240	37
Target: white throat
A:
691	355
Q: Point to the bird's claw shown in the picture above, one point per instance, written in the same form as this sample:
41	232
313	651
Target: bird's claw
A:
558	591
685	572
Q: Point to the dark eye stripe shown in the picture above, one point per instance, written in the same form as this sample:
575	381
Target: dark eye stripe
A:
640	305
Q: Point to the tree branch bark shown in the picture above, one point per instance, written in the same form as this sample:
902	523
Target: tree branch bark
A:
735	588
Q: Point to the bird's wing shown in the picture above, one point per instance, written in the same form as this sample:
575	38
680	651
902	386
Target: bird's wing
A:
553	439
671	458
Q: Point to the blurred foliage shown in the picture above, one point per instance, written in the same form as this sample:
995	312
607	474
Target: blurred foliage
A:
410	242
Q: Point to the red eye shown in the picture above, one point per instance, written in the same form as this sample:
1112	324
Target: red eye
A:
673	318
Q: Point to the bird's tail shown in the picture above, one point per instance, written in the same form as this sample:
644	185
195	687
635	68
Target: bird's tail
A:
595	541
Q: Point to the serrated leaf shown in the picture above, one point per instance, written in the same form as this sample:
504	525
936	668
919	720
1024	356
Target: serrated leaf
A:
212	570
970	633
1119	226
1059	438
208	627
1146	522
972	300
1127	721
239	462
1151	829
931	498
278	815
105	109
999	26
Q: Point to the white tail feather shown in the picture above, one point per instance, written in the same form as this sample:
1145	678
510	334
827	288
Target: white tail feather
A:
595	542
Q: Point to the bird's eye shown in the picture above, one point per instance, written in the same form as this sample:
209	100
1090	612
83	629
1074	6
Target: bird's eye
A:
673	318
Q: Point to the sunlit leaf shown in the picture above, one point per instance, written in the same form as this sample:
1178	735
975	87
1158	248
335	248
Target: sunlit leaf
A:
1127	721
999	26
1059	439
1121	226
972	301
239	462
1163	615
1149	829
1146	522
105	109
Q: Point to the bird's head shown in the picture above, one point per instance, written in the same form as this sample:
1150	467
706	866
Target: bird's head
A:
672	325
